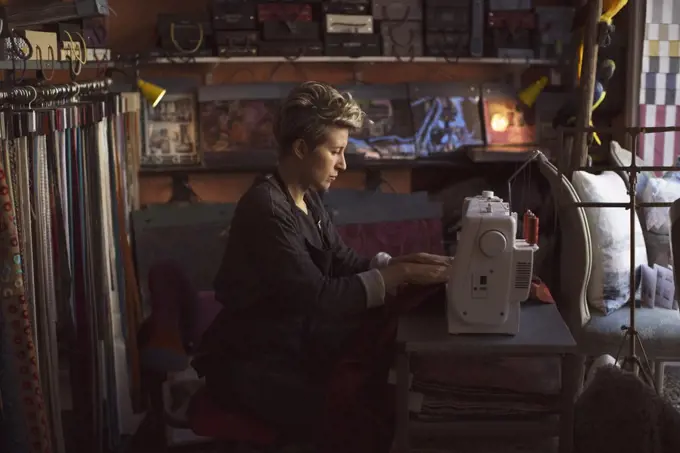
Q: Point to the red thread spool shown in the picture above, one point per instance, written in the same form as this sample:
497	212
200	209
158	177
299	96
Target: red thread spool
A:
525	225
531	228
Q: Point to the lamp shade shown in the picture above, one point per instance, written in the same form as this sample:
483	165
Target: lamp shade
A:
529	95
151	92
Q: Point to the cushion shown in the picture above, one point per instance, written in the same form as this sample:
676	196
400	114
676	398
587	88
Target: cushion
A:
658	249
659	190
673	174
609	287
659	329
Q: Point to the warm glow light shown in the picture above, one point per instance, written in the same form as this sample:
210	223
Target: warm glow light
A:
499	122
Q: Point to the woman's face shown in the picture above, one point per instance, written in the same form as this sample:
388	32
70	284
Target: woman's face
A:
321	166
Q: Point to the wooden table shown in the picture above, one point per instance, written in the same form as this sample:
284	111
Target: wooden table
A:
543	332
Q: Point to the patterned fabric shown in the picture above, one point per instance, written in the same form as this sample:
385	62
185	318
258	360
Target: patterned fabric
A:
663	148
395	238
660	82
20	358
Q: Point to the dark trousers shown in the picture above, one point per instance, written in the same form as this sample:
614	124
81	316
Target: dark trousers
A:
350	410
358	412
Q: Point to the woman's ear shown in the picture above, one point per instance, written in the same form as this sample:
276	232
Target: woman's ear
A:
300	148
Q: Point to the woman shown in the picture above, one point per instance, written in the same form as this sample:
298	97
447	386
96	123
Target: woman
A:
297	300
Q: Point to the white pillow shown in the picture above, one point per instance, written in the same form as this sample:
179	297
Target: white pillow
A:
659	190
609	287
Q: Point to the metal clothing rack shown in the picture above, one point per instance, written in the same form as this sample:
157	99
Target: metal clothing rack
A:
29	94
64	155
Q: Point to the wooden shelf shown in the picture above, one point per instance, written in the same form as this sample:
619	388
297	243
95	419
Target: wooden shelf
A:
369	60
32	65
450	162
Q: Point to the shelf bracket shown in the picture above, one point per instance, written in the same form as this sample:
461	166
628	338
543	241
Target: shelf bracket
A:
357	74
181	190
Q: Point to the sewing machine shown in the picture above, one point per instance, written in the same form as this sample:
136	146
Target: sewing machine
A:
492	271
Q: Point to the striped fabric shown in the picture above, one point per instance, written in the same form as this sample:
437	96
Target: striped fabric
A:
660	84
662	148
661	54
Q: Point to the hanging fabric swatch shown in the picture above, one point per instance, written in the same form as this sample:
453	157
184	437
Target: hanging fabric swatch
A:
70	310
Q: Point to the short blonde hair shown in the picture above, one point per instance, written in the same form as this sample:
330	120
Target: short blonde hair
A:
309	110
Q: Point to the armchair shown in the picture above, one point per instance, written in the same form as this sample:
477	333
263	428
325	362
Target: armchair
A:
596	333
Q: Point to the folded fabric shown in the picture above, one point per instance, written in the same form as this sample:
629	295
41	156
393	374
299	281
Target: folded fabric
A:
517	374
451	403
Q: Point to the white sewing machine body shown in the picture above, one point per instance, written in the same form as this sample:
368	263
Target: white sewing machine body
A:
492	271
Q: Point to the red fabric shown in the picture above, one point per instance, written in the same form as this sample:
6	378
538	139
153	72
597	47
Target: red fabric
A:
209	420
360	405
358	416
540	292
395	238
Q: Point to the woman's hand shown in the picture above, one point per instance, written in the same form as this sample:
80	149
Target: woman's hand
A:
424	258
400	273
426	274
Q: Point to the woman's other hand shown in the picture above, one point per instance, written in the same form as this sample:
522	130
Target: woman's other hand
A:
400	273
424	258
427	274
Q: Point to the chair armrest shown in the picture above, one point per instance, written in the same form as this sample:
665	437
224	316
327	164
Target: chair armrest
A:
575	249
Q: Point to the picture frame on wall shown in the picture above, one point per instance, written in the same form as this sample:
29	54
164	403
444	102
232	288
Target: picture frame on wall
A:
388	129
171	132
237	123
446	116
505	122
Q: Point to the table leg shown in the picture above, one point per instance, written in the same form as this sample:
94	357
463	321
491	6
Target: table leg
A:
573	369
402	437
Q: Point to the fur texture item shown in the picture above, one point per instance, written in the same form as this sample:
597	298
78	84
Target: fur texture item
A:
618	413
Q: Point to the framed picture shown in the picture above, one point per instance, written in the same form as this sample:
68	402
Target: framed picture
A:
446	117
237	123
171	132
505	123
388	131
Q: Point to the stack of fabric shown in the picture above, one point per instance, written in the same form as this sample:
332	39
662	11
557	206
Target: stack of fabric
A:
485	387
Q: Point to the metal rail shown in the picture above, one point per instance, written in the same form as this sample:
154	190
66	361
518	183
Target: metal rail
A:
28	94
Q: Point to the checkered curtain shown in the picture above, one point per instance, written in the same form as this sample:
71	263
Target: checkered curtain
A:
660	87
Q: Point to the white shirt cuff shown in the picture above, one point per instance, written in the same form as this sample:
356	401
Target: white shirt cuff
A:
375	288
381	260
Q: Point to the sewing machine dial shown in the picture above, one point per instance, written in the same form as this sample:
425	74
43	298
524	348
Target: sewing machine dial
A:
492	243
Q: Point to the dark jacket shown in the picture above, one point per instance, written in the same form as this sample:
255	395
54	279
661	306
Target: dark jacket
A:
291	297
